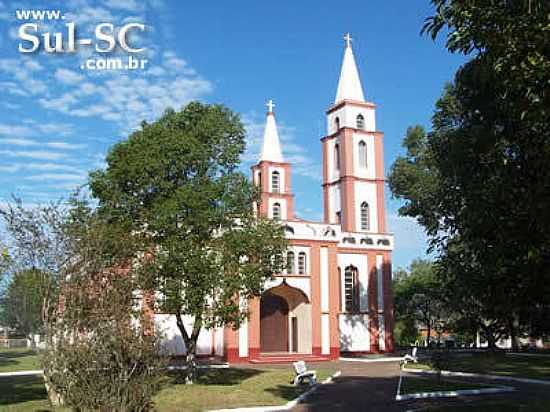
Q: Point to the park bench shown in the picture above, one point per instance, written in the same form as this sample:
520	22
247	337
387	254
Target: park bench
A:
410	358
303	374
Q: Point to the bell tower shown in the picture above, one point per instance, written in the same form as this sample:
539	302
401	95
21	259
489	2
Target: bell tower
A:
272	174
353	160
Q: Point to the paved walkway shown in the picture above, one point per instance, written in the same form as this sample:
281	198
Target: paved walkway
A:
373	386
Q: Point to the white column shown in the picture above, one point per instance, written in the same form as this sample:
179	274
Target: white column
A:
243	334
325	293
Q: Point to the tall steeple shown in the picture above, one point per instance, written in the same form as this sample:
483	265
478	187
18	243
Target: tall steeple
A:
353	162
271	148
349	85
272	175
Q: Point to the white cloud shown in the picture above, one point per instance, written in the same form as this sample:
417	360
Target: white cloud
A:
57	177
62	129
65	145
90	15
66	76
44	167
9	168
34	154
128	100
30	142
293	152
11	106
18	142
127	5
23	71
15	130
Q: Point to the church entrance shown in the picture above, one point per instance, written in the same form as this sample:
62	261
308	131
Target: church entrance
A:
273	323
285	321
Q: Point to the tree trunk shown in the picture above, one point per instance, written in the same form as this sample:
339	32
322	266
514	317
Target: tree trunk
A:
428	333
513	336
30	338
190	347
490	336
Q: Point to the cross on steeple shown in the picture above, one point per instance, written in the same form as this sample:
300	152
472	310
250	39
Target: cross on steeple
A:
270	105
348	39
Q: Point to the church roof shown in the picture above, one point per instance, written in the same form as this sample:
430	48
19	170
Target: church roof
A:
271	148
349	85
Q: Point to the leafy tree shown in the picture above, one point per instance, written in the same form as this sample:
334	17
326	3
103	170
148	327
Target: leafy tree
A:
478	181
175	185
104	355
23	302
38	242
419	298
5	260
405	331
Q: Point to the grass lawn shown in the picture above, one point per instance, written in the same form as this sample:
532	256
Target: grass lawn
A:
534	367
415	384
18	359
231	388
218	388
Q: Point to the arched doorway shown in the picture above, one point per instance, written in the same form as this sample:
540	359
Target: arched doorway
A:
285	320
273	323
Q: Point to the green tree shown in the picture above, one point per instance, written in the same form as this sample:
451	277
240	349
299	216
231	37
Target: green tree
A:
479	180
174	184
419	299
103	354
5	260
23	302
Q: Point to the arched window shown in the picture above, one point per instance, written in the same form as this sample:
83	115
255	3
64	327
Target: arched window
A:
362	154
337	123
350	289
360	121
337	156
277	211
275	182
290	263
365	221
302	263
259	181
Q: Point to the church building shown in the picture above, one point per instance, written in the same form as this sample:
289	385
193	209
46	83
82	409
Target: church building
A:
335	294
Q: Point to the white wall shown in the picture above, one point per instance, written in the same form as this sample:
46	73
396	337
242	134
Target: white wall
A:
172	342
361	263
370	171
282	202
354	332
348	115
282	178
366	191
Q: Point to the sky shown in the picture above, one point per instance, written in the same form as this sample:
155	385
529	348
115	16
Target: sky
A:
59	118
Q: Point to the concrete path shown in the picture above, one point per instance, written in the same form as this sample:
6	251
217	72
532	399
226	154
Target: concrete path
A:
373	386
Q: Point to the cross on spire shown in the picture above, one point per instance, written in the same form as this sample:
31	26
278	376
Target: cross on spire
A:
270	105
348	39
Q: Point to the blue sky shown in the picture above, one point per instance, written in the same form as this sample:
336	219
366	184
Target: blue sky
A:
57	121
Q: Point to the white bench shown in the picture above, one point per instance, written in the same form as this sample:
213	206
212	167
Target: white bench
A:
410	358
302	374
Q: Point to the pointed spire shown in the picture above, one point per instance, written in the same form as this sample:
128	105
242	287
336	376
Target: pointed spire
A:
349	85
271	149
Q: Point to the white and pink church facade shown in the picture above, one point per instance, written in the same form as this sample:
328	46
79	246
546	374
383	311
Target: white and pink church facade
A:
335	294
